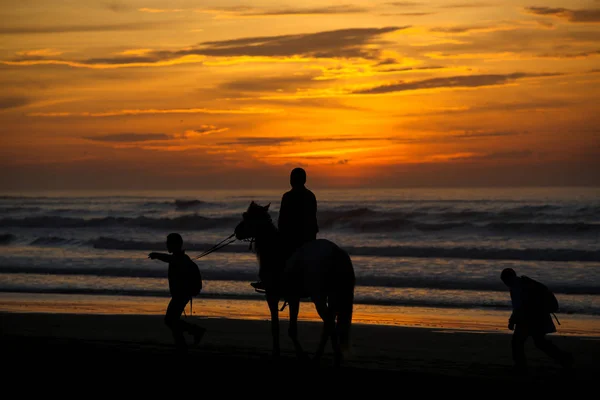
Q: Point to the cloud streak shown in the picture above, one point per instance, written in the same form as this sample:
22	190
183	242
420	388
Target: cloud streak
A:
129	137
34	29
472	28
204	130
267	83
583	54
581	16
278	140
327	44
255	12
407	14
453	138
341	9
160	10
117	7
500	155
531	106
13	102
118	113
343	43
466	81
466	5
404	3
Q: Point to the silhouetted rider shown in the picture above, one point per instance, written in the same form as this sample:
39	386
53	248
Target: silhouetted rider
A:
298	213
297	221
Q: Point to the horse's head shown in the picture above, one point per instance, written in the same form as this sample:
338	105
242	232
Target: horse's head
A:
255	219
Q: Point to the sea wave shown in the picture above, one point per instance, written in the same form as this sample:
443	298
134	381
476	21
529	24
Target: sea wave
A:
53	241
362	280
543	254
471	253
18	209
357	220
187	204
185	222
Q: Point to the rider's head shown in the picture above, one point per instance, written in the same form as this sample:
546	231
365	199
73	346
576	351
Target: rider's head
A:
298	177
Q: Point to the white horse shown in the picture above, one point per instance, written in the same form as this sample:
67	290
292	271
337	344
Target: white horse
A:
319	270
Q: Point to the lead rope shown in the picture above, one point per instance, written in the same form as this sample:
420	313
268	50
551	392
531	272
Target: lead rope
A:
218	246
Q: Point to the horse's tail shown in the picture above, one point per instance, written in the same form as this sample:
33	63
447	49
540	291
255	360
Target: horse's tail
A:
345	297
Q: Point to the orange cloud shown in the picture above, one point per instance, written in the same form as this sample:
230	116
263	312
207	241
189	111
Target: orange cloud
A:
116	113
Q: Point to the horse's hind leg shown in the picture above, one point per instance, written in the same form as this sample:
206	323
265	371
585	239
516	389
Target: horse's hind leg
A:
273	302
328	330
294	306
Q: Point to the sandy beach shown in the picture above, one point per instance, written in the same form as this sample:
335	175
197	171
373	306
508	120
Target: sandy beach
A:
74	344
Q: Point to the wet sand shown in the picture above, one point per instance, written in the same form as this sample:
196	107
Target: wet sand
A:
114	346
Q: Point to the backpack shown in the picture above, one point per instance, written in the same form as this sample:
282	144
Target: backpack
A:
194	279
540	297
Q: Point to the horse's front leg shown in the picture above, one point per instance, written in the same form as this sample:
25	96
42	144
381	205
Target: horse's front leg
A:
273	302
294	305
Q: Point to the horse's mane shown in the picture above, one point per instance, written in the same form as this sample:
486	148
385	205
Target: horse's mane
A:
263	212
268	243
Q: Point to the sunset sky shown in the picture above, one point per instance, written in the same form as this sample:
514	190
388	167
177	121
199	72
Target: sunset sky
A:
191	94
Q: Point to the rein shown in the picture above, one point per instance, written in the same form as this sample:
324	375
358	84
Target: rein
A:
218	246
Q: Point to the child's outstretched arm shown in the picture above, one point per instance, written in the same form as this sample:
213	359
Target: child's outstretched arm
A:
161	256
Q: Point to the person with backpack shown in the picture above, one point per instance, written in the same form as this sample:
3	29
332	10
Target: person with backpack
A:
532	304
185	282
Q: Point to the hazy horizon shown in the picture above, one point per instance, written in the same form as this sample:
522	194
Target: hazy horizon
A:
414	193
225	94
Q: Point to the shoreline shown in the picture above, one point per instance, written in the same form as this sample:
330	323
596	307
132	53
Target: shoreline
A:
447	319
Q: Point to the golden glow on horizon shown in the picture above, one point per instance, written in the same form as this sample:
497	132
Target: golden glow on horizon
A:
359	93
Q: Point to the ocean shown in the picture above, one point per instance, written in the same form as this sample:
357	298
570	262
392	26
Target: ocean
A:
433	248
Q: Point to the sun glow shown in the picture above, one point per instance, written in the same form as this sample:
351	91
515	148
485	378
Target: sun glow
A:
434	93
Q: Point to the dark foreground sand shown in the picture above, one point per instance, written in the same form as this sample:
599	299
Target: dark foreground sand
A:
123	348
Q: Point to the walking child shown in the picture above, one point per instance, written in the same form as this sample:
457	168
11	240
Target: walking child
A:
184	283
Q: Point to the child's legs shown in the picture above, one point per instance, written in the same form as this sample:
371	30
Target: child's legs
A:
174	322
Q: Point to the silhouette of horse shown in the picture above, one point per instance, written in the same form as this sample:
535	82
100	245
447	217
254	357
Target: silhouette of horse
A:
319	270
